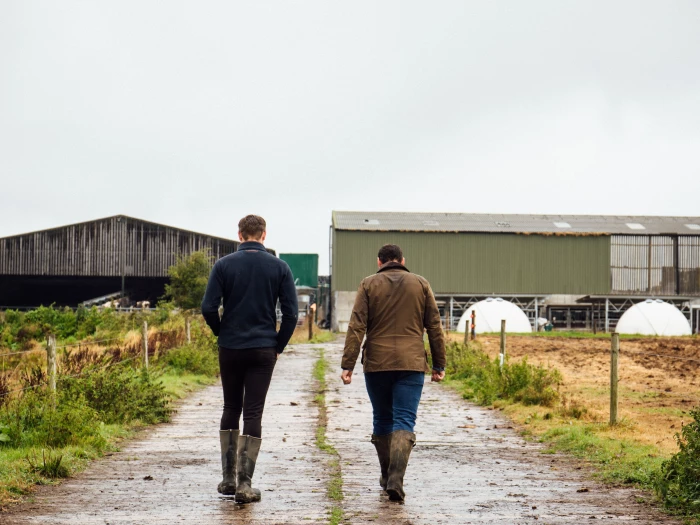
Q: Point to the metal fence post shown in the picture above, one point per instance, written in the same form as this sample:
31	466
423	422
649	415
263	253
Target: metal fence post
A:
188	331
145	344
614	358
503	342
51	362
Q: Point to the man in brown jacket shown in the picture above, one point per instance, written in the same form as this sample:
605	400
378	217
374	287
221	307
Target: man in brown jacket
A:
394	308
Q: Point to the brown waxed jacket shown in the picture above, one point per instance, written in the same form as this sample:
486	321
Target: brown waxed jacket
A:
394	307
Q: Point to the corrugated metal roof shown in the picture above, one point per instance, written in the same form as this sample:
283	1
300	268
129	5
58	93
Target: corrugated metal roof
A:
475	222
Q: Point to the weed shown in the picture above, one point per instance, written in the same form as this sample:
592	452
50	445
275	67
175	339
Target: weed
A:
49	467
485	380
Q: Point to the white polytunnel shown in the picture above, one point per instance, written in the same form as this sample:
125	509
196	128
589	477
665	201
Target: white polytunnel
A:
489	313
653	317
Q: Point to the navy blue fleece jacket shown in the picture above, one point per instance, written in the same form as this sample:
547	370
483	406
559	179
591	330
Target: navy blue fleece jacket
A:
250	281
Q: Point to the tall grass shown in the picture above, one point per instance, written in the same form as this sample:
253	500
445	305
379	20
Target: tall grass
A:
485	381
101	394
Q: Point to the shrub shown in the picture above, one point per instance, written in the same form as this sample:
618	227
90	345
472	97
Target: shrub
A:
200	357
119	394
50	466
678	482
487	381
36	420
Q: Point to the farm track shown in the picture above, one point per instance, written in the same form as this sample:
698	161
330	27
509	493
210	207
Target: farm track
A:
468	467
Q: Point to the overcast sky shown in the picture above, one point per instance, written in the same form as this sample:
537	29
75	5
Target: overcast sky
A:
193	114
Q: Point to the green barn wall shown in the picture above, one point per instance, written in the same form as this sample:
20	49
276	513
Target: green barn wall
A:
481	263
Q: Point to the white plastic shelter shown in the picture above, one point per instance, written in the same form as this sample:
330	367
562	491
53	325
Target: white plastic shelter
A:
489	313
653	317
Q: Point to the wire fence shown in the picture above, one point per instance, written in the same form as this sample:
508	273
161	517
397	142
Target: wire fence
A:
140	348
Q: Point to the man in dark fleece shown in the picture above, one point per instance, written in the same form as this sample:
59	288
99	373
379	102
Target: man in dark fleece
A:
250	282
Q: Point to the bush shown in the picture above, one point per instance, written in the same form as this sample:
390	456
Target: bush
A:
678	482
200	357
119	394
36	420
487	381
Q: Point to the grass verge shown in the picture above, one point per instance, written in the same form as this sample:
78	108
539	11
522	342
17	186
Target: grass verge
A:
319	336
45	437
620	455
334	489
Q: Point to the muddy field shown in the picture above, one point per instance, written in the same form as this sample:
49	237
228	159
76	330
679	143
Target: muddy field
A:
469	466
659	378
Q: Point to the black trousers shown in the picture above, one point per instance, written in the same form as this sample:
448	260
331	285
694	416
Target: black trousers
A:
245	376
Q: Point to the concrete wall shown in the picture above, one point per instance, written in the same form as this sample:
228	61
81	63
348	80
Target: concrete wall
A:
342	310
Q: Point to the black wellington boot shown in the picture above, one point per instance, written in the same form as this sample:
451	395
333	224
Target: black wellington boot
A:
383	446
248	449
402	442
229	455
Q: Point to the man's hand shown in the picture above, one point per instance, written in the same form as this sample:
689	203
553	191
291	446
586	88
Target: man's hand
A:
346	376
437	376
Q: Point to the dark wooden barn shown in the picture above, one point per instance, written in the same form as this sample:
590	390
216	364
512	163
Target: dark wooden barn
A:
79	262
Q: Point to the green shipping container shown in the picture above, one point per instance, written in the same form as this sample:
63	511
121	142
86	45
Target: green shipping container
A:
304	267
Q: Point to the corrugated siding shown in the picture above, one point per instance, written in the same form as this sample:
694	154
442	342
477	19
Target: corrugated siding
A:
304	267
104	248
481	263
646	264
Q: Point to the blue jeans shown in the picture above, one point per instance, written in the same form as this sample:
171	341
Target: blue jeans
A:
395	396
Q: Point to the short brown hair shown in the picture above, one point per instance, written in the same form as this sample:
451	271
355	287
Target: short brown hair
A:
390	252
252	227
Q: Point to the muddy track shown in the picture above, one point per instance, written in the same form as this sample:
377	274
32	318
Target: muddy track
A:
468	467
182	458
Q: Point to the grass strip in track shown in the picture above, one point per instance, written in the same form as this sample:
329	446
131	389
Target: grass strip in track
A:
335	483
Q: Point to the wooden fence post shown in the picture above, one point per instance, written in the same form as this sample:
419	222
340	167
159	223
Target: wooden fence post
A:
473	325
614	358
466	331
51	362
310	322
145	344
188	331
503	342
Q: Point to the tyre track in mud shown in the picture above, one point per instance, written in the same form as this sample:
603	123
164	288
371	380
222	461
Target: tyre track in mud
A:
469	466
182	458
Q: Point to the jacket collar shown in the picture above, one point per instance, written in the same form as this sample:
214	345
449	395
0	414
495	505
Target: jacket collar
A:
392	265
251	245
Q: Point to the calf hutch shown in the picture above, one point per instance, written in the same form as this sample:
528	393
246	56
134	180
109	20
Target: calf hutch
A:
113	257
580	272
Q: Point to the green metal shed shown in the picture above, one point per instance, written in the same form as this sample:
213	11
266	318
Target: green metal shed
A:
304	267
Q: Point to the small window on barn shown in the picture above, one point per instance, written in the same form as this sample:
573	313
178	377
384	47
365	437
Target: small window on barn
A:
693	226
372	222
635	226
562	225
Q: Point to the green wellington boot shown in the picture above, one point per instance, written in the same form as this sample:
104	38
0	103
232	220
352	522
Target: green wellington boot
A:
402	442
383	446
229	455
248	449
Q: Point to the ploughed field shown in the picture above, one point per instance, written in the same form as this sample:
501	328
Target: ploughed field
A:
659	379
